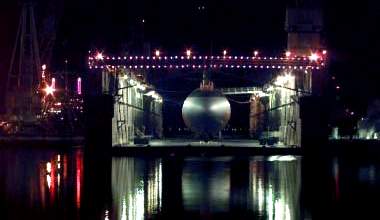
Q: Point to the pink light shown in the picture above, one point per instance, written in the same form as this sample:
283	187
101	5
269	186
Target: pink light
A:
79	86
288	53
53	83
99	56
43	71
324	52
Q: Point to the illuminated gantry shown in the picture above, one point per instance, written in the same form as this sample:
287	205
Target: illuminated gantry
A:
315	60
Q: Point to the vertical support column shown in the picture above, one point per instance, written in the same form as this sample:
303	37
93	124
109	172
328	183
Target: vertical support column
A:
98	108
256	114
303	26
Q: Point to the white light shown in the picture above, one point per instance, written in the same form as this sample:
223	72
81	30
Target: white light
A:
49	90
288	53
188	53
150	93
314	57
282	80
132	82
282	158
224	52
256	53
44	67
141	87
48	167
99	56
48	180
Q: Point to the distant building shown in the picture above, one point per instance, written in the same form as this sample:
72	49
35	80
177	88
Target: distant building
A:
369	127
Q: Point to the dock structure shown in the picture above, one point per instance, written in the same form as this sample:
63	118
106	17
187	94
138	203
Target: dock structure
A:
275	106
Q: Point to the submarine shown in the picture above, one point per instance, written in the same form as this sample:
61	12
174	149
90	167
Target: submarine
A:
206	111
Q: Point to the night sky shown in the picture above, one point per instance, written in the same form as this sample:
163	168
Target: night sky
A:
351	33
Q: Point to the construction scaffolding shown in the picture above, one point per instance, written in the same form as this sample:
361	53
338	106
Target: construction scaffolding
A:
23	102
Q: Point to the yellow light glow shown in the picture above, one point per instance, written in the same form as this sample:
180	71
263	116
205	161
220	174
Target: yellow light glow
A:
49	90
48	167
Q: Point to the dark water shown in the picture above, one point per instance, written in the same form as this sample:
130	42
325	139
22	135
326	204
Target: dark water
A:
48	184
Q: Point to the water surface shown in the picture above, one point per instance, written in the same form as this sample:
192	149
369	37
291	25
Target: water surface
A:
51	184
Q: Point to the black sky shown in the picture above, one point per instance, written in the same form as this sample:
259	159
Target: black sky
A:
351	32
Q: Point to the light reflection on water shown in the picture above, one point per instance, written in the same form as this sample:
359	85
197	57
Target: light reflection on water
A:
38	182
261	187
136	188
51	184
275	187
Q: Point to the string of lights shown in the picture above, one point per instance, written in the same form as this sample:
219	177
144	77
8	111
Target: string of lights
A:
188	61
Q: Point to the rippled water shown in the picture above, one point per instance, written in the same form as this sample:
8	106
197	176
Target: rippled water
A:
47	184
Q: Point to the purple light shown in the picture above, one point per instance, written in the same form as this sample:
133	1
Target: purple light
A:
79	86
